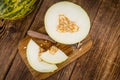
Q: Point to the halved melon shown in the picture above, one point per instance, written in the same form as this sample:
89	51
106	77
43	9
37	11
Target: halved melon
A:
67	23
32	56
54	56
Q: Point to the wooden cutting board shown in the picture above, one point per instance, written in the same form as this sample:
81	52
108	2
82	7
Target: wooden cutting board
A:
70	50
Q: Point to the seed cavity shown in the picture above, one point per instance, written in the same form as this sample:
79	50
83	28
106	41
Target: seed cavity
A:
65	25
53	50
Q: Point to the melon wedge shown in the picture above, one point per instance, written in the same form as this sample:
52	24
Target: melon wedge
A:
56	58
67	23
32	56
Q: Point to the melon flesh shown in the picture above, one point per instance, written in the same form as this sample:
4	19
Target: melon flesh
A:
75	14
55	58
32	56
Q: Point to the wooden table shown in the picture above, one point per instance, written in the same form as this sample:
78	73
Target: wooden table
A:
102	62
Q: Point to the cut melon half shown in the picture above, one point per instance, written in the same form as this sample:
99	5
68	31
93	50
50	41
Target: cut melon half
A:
33	59
54	56
67	23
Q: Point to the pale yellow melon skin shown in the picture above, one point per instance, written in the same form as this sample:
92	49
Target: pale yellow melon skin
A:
75	13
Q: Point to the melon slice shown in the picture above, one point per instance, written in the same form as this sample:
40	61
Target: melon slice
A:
54	56
67	23
32	56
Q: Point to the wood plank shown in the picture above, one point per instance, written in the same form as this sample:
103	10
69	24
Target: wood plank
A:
7	54
10	34
102	63
17	68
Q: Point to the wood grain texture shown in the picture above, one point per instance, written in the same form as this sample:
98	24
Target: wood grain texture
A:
102	62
